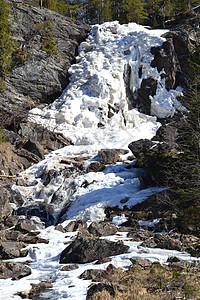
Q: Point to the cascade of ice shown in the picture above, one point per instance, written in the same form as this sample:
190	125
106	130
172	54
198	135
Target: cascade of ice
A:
94	108
94	112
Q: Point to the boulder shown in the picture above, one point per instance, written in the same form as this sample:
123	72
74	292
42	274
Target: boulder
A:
69	267
11	249
142	262
140	146
34	147
14	270
138	236
162	241
90	249
77	225
92	274
26	226
5	207
102	228
95	166
110	156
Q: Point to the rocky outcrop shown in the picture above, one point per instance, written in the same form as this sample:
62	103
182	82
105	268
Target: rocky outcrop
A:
172	57
38	77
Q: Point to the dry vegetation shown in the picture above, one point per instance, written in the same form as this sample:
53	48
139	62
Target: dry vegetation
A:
153	283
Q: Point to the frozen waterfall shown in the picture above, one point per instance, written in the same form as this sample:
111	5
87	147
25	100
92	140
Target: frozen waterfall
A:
94	108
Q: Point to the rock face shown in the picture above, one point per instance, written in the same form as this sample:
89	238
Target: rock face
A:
87	250
38	77
172	57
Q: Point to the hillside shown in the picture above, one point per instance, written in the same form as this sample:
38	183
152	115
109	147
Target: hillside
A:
95	179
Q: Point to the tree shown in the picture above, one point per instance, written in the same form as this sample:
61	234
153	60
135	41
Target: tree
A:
50	4
6	41
134	11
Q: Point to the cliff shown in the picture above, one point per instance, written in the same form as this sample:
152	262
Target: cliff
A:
38	76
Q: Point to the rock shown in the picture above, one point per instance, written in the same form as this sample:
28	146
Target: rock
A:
95	166
36	77
34	240
162	241
140	235
12	249
148	88
92	274
14	270
11	221
41	210
103	260
131	223
102	228
34	147
175	262
26	226
142	262
139	147
60	228
47	139
5	207
78	225
70	267
95	288
110	156
90	249
14	235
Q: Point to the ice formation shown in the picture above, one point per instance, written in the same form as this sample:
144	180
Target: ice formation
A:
94	112
94	108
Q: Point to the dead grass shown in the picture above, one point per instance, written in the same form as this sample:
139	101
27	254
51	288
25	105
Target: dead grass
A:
154	283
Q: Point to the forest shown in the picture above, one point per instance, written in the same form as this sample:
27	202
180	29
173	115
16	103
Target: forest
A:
148	12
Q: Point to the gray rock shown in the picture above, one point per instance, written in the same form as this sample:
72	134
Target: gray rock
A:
92	274
5	208
70	267
90	249
162	241
110	156
142	262
14	270
11	249
76	226
26	226
36	77
102	228
140	235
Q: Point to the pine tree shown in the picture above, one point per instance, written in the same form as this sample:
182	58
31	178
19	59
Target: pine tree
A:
106	11
134	11
6	42
50	4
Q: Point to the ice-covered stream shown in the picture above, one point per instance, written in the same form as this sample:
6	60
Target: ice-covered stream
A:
94	112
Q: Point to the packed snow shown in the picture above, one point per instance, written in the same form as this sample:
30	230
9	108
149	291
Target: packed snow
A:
94	113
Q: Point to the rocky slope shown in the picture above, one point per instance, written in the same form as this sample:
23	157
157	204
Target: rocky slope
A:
38	79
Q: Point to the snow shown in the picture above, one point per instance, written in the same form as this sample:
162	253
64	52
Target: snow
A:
82	114
97	87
